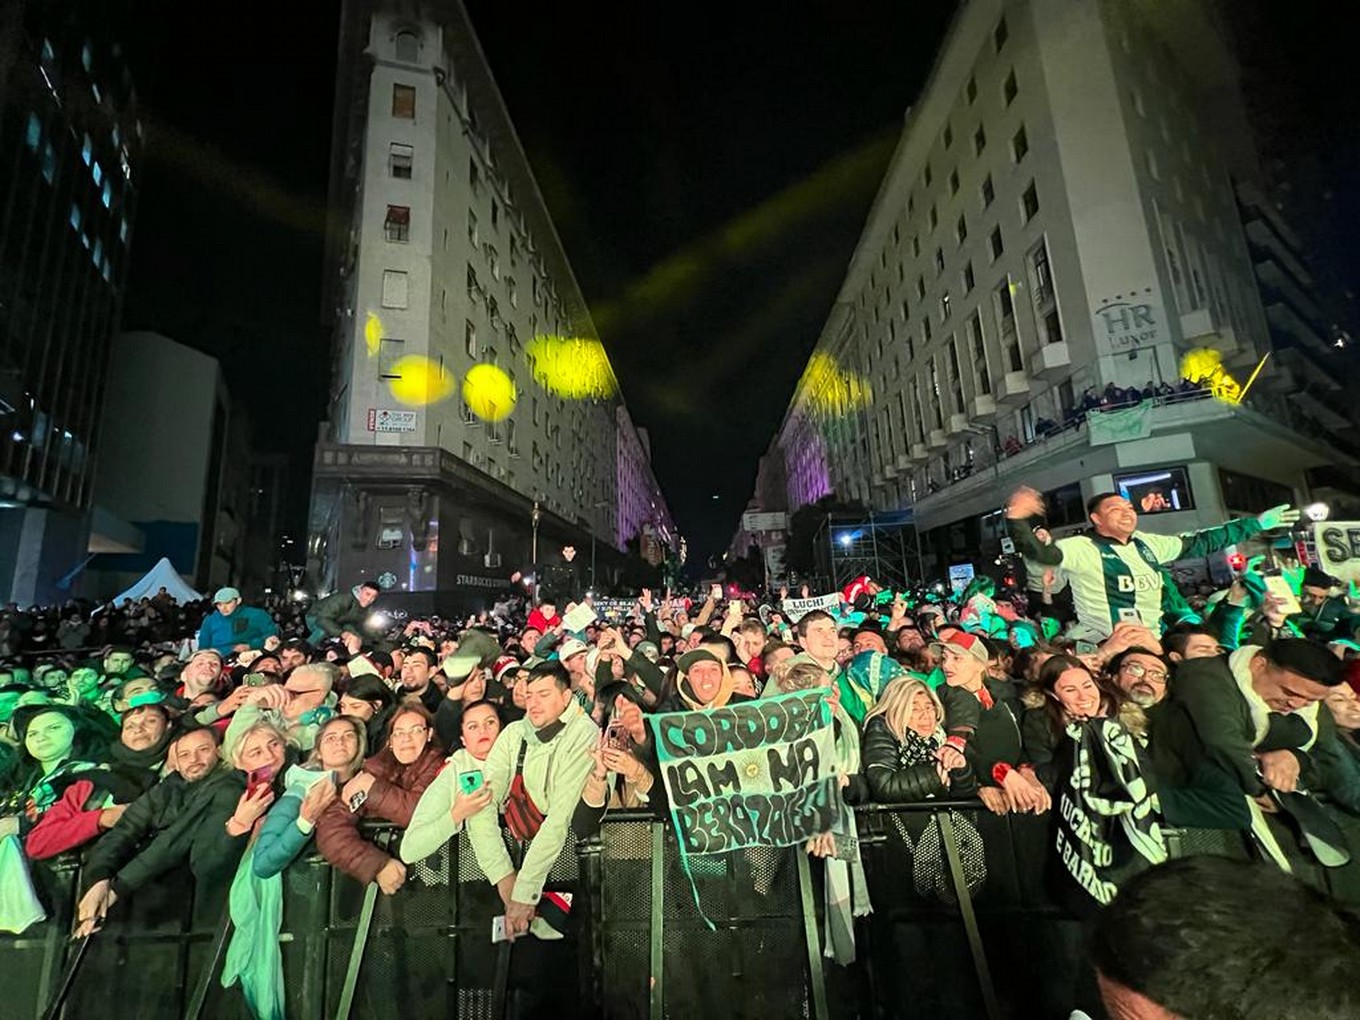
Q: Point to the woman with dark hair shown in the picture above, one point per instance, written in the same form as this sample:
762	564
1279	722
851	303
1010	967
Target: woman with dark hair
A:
1088	745
388	788
371	701
458	792
58	746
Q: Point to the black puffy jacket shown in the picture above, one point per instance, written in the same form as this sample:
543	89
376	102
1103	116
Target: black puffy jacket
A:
892	783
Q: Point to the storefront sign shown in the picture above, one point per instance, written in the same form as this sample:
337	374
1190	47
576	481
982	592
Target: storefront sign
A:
384	419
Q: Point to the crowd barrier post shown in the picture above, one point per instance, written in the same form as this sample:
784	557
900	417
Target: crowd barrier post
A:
356	953
816	979
194	1009
970	925
656	987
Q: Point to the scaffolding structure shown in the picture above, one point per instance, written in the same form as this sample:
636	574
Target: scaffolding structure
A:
884	545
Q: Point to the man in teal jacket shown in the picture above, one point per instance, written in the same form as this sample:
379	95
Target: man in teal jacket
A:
234	627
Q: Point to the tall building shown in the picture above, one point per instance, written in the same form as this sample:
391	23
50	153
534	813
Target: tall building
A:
1062	214
642	511
185	482
474	417
70	149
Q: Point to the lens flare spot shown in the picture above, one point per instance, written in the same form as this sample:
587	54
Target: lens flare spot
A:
575	368
422	381
489	392
373	331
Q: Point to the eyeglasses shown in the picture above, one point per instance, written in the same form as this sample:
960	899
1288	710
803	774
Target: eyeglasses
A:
409	731
1137	669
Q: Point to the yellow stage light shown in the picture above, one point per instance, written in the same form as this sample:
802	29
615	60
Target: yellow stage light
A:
422	381
489	392
575	368
373	331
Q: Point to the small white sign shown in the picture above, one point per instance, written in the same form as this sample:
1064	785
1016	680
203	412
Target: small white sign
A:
756	521
386	419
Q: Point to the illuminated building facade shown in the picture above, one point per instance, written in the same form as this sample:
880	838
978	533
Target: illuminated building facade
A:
1062	213
643	513
70	153
469	381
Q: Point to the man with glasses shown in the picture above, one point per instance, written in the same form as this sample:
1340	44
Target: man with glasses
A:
1193	792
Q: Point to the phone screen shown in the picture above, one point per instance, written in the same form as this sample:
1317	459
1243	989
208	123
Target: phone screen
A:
470	782
1085	648
259	777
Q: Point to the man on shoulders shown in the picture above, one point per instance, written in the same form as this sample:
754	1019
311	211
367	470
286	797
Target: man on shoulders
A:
1116	570
234	627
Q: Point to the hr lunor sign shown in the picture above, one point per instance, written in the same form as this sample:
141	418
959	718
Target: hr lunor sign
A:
1126	326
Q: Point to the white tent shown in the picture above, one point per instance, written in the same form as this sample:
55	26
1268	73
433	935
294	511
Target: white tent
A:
162	575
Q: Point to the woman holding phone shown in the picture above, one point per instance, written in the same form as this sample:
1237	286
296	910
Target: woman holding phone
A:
339	754
458	792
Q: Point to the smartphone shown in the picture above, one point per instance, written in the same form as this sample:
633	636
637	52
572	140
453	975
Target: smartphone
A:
470	782
1085	648
256	680
259	777
498	932
616	735
1279	587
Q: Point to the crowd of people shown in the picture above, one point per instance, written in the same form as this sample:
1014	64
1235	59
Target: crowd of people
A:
1119	716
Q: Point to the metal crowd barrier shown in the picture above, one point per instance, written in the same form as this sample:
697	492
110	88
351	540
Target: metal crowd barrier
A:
963	925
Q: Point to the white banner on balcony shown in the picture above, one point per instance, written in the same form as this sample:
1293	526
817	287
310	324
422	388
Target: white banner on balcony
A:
1120	426
1338	548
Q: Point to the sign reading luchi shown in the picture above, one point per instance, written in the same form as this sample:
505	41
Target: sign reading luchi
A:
759	773
796	609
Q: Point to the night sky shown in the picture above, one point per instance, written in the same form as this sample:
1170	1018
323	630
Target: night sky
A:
708	168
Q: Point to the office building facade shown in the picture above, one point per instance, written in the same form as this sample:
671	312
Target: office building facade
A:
70	152
1062	213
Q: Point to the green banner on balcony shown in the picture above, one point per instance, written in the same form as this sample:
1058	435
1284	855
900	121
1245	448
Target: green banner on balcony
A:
1120	426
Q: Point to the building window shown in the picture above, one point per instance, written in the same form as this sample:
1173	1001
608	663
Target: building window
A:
1010	89
1020	144
1152	167
106	196
407	47
404	102
953	182
945	307
939	261
75	217
472	229
979	139
995	244
389	353
1041	274
927	331
474	176
397	226
1029	202
399	160
948	136
979	350
394	288
495	213
87	151
33	136
474	286
961	228
1052	327
971	90
920	288
969	281
916	247
934	217
988	192
1138	103
470	338
1000	34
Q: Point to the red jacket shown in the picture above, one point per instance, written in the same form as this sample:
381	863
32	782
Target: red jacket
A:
66	824
396	789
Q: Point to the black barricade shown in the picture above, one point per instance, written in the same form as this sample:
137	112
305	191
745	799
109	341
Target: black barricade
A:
964	924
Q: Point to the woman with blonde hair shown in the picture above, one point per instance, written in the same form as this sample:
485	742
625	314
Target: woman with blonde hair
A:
907	757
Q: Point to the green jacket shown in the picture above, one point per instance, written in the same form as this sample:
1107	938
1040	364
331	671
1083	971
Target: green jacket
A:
337	613
555	771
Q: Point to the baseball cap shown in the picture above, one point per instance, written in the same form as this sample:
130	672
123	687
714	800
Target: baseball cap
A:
505	664
226	595
571	647
475	648
965	643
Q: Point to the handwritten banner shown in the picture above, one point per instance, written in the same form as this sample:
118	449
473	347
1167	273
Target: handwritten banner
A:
796	609
758	773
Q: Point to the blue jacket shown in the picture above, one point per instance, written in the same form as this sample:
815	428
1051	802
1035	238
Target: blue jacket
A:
247	626
281	838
